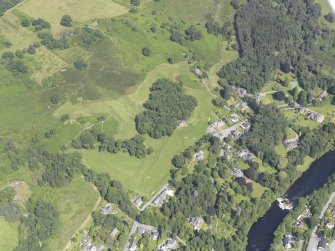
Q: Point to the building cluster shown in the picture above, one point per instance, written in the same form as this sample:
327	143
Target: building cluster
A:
86	244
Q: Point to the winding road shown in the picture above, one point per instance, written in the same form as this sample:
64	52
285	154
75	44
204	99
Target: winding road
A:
313	240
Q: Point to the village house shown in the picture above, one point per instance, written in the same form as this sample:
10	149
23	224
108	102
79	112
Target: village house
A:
228	154
237	134
246	126
108	209
138	201
199	156
197	71
323	95
169	244
159	200
217	125
241	92
241	105
289	241
291	143
330	225
182	124
234	118
237	173
196	222
322	244
133	247
246	155
154	235
258	97
318	117
114	233
152	232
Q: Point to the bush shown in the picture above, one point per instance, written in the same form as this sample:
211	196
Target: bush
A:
146	52
135	2
80	65
66	21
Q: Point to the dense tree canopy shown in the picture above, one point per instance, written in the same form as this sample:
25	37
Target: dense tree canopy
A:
167	105
267	130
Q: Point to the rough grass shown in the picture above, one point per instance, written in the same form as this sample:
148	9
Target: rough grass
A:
195	11
80	11
74	203
8	235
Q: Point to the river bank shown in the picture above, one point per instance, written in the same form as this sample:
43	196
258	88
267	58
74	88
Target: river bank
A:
261	233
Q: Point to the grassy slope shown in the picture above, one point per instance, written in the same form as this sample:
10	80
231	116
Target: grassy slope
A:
74	203
8	235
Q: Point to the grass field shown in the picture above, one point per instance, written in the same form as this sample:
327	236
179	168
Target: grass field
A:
8	235
74	203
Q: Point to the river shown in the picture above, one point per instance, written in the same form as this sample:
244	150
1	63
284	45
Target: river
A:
261	233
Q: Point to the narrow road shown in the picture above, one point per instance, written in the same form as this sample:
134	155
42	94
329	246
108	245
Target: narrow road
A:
154	197
313	240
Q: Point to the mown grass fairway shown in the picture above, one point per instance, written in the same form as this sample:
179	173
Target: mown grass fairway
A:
147	175
8	235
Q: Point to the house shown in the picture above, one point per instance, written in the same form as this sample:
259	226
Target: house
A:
237	134
289	241
86	243
114	233
246	126
199	156
228	154
234	118
138	201
237	173
323	95
291	143
133	247
216	126
241	92
196	222
197	71
160	198
246	155
108	209
169	244
182	124
322	244
241	105
154	235
330	225
318	117
258	97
